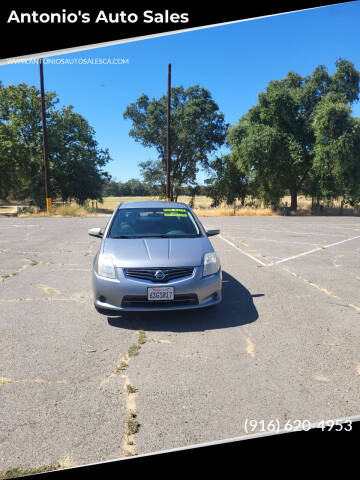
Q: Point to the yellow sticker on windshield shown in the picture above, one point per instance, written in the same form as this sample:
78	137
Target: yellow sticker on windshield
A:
175	212
174	209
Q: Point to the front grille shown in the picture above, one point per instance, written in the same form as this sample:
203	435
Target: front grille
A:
142	301
149	273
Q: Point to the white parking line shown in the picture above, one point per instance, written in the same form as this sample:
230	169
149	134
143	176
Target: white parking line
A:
242	251
317	249
288	258
300	255
18	225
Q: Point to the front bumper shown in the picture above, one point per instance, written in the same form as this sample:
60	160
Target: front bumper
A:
111	294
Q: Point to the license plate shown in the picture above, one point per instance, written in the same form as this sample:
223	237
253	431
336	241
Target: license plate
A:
161	293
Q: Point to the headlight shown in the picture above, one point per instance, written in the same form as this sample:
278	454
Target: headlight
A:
106	266
210	264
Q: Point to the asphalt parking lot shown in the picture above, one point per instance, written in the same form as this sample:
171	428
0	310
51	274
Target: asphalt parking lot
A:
282	346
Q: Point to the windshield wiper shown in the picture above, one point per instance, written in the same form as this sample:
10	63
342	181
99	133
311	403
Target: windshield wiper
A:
179	236
155	236
125	236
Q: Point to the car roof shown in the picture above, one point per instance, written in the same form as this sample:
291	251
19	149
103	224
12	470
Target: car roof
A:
152	204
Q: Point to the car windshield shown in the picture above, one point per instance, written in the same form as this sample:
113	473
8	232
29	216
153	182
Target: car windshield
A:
154	222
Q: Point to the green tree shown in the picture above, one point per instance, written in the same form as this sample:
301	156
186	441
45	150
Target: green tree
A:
134	188
197	129
228	182
21	139
337	151
8	178
275	141
76	161
154	176
111	188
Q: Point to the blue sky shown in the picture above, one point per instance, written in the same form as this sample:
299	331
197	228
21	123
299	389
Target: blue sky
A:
234	62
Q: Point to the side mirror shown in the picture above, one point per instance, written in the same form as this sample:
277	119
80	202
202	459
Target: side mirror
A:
211	233
95	232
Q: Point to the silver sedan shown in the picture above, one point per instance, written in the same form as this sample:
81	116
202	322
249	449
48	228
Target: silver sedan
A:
155	256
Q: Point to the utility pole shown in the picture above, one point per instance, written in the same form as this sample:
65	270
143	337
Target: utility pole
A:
168	189
45	151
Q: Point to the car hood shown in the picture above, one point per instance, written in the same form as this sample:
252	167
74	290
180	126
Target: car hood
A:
157	252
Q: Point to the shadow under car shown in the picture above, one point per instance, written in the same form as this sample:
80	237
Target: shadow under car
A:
237	308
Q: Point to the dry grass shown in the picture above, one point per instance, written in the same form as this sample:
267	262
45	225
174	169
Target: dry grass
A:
7	209
15	472
202	208
132	424
71	210
238	212
110	203
133	350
